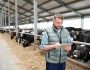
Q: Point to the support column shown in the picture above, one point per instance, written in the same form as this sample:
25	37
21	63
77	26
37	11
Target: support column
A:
9	15
16	17
82	22
5	17
0	16
35	20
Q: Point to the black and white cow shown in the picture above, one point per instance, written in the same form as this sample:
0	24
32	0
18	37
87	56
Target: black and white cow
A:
12	34
81	52
81	37
29	38
2	31
87	58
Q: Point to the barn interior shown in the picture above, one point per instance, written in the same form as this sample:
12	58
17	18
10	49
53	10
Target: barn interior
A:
34	13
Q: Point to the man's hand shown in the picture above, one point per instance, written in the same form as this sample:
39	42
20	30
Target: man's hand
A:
56	46
67	48
62	46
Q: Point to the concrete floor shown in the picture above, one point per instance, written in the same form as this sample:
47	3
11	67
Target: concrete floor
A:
8	60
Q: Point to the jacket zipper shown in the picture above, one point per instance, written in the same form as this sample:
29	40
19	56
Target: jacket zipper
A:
60	49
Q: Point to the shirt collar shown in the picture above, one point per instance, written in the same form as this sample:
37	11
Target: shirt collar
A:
56	29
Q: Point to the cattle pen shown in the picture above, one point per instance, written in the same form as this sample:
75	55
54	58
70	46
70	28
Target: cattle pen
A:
23	23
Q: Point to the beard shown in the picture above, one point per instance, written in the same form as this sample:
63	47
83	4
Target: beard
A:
57	27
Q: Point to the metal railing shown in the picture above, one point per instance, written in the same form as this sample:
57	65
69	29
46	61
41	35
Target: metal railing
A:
83	43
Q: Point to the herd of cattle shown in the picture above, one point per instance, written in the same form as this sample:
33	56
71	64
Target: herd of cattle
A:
78	51
26	37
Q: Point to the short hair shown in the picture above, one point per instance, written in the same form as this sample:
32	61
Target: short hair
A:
58	16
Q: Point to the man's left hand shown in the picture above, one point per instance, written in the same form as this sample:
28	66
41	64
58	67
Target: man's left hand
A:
67	48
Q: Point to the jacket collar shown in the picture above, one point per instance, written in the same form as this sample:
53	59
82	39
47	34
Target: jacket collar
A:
56	30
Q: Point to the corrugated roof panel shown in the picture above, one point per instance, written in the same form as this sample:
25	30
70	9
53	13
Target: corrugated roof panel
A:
49	17
39	10
41	1
68	14
22	16
44	14
40	19
27	13
28	6
1	2
50	5
21	2
61	9
67	1
85	11
12	15
7	4
21	10
23	19
11	11
27	18
80	4
13	7
12	0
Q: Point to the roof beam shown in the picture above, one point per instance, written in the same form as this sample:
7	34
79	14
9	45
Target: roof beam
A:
70	8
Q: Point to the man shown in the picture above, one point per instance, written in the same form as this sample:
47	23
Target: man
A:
52	41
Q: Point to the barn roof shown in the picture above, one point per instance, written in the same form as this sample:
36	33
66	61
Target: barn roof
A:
47	8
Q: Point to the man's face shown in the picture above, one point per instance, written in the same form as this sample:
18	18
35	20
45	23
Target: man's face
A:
57	23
